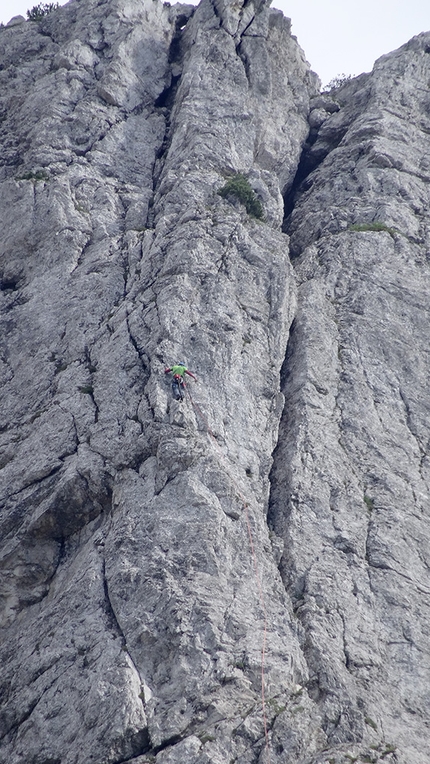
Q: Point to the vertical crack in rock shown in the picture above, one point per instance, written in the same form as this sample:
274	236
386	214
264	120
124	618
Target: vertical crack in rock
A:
322	139
109	609
140	740
166	100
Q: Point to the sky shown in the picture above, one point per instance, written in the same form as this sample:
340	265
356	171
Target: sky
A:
337	36
346	36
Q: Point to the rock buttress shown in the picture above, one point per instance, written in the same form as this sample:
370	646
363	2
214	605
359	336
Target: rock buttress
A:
131	620
350	483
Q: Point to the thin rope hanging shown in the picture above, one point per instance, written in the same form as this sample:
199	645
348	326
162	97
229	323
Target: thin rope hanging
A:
255	565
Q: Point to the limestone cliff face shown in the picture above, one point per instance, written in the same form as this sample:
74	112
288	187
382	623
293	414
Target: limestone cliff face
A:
151	549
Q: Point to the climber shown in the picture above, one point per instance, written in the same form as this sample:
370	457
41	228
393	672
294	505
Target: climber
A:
178	384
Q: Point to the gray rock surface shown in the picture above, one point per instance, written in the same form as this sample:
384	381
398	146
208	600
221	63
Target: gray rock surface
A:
153	551
350	483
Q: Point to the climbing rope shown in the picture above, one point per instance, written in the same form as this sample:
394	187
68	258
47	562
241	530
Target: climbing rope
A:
244	501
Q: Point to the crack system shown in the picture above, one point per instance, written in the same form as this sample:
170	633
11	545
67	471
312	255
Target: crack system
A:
276	517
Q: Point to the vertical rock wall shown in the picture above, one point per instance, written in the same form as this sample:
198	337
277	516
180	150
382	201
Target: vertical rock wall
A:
133	606
350	488
131	615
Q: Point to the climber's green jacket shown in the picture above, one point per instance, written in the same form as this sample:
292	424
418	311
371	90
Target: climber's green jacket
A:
179	369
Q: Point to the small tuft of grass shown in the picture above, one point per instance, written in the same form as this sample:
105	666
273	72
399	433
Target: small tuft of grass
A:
239	188
297	693
337	82
297	709
370	504
80	208
371	723
206	738
389	748
375	226
86	389
37	175
275	706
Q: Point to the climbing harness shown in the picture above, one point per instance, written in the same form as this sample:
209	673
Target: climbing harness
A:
254	560
178	387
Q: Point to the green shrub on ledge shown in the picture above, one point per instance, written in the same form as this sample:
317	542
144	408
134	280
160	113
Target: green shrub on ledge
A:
39	11
238	187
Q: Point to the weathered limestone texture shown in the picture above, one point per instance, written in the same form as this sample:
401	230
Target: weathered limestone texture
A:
350	484
150	548
131	616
